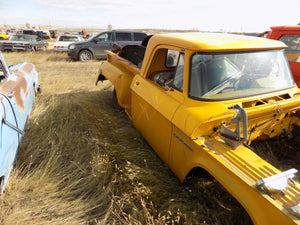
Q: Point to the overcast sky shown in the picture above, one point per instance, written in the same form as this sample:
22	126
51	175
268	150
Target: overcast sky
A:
207	15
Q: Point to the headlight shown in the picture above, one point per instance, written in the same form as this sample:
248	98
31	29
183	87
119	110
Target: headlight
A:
72	46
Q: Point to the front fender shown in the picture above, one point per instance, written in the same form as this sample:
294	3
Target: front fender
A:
238	171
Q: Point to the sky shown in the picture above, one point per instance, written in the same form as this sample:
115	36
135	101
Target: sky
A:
204	15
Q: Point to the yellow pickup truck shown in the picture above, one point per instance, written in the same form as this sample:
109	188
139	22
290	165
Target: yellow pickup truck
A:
202	99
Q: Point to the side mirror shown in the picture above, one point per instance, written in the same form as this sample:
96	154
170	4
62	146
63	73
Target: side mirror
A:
96	40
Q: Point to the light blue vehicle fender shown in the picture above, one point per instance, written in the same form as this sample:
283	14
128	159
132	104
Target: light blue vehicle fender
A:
18	88
9	140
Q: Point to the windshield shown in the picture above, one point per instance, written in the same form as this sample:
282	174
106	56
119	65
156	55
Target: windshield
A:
235	75
22	38
68	38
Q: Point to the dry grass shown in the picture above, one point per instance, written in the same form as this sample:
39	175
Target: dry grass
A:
83	162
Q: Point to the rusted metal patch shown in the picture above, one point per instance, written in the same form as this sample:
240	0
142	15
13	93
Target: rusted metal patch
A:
16	87
27	68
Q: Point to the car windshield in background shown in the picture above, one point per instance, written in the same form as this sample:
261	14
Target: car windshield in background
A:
22	38
293	49
235	75
68	39
292	41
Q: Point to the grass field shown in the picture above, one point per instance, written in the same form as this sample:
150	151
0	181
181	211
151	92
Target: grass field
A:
82	162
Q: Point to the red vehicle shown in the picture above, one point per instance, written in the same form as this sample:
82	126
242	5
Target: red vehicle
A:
290	35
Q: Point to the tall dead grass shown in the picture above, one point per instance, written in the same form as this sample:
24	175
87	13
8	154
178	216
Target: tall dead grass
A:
82	162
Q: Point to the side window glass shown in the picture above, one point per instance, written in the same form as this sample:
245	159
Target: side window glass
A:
123	36
293	49
163	69
178	77
138	36
106	37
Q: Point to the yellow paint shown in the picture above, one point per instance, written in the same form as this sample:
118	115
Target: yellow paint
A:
184	131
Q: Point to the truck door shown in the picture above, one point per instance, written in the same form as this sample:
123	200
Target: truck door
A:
153	105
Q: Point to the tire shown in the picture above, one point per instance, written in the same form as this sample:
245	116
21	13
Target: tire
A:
1	183
115	101
85	56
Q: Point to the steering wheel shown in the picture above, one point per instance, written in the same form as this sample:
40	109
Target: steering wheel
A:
244	82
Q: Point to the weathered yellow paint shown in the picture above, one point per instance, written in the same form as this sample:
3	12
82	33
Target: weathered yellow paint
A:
184	132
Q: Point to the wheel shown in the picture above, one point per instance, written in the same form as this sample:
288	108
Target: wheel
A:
1	183
85	55
244	82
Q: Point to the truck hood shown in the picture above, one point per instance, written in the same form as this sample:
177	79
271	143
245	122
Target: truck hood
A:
265	109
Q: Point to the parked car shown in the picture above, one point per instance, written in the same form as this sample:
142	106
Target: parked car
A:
201	99
53	33
3	36
46	34
18	86
24	42
290	35
95	46
38	33
84	34
63	41
31	32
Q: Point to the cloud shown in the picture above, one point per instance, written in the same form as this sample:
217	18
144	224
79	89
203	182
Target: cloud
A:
213	15
119	5
87	4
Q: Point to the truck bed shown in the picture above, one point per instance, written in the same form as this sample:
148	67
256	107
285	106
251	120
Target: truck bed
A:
120	69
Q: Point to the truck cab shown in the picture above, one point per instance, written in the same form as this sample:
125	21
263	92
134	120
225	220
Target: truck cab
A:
201	99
